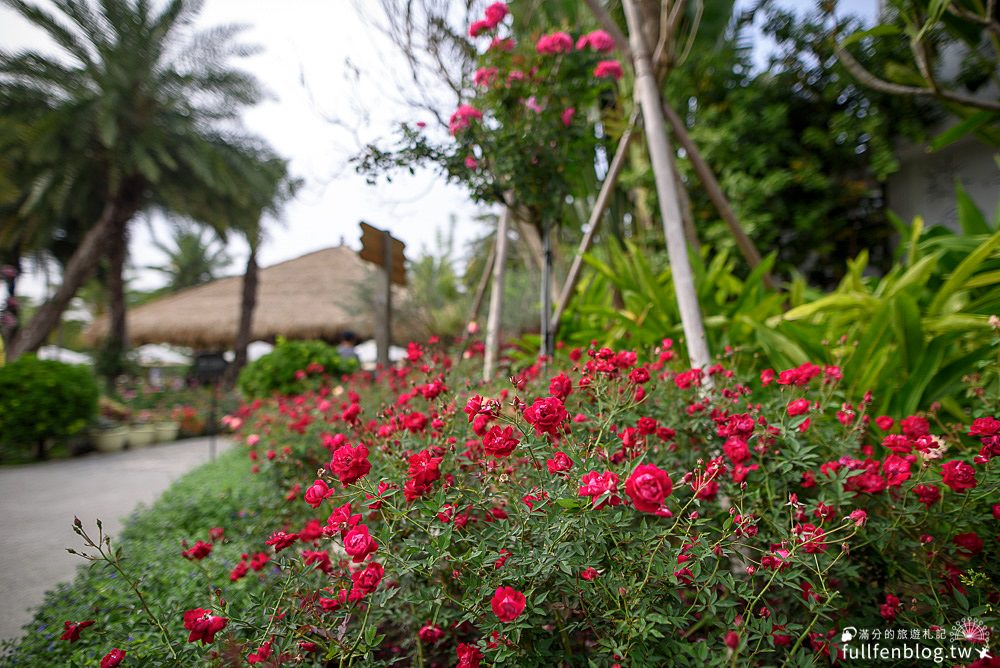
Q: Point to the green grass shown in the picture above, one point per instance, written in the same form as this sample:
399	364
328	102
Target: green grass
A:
219	494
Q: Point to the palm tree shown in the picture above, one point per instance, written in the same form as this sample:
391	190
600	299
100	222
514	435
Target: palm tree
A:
192	259
280	188
134	113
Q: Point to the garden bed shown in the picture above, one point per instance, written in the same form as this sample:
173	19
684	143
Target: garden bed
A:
606	510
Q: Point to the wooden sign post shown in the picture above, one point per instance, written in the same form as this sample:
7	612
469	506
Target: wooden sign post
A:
381	248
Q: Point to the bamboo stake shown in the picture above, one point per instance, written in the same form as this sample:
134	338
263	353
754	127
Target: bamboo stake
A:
714	191
666	189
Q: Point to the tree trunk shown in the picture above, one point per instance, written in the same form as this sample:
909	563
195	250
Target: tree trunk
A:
79	268
247	306
116	343
666	190
492	354
10	316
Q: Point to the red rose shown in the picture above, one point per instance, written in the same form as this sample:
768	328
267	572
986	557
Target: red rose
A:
589	573
200	550
366	581
262	654
969	543
317	493
732	639
927	494
896	469
914	427
559	463
958	475
736	449
798	407
648	487
546	415
113	658
987	426
508	604
350	463
639	376
72	630
469	656
597	485
430	633
358	544
560	386
884	422
500	441
203	625
280	540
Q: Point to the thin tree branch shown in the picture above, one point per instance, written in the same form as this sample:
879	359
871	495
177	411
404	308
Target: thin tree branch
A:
868	79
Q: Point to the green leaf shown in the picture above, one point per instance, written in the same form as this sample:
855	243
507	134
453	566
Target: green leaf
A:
912	394
969	124
908	330
970	218
962	273
884	30
837	302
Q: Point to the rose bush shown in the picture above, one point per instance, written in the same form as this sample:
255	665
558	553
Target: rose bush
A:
653	515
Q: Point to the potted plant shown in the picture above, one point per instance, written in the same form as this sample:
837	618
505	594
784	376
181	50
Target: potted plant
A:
108	435
167	429
142	433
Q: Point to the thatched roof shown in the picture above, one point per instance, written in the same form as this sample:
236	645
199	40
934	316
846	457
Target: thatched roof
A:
316	296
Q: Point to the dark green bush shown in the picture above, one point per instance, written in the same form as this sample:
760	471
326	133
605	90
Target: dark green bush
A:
278	372
42	400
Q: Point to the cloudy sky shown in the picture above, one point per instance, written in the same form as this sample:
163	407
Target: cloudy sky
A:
319	112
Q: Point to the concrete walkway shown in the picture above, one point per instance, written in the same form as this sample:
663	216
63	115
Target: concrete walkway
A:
38	502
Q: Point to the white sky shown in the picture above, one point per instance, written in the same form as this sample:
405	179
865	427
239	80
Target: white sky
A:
306	45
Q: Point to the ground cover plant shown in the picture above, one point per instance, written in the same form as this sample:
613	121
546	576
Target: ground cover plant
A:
610	508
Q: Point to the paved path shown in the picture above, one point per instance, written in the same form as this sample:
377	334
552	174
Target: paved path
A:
38	502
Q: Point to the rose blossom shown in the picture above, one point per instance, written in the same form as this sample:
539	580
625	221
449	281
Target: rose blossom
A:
500	441
598	40
507	604
559	463
596	485
557	42
315	495
72	630
359	544
203	625
608	69
469	656
430	633
798	407
113	658
350	464
958	475
546	415
648	487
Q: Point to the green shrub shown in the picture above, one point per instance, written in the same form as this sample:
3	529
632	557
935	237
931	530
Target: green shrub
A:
42	400
292	367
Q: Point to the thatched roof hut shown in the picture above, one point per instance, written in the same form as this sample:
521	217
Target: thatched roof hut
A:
317	296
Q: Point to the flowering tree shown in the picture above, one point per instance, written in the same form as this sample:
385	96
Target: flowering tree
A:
529	132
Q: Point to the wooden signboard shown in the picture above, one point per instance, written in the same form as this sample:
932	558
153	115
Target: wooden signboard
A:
381	248
373	249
